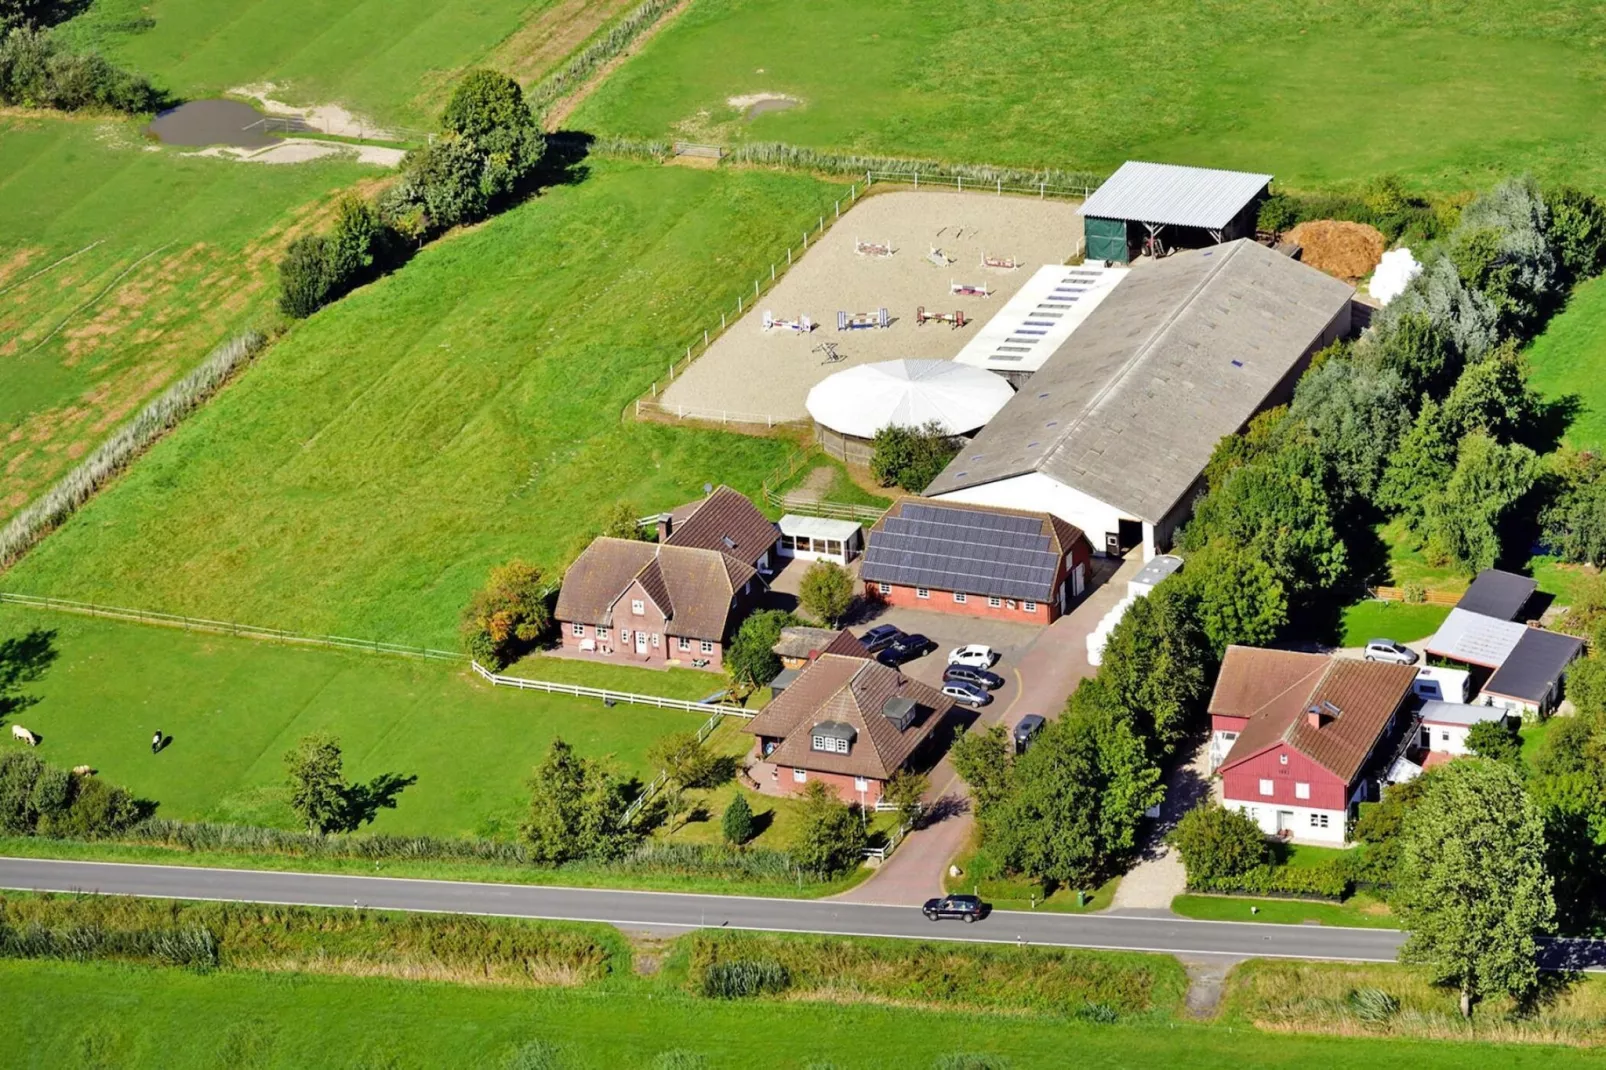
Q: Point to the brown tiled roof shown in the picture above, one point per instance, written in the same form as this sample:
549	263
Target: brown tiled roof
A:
693	587
847	644
850	690
1275	688
726	522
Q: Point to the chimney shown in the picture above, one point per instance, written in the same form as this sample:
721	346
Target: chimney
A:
666	525
1313	716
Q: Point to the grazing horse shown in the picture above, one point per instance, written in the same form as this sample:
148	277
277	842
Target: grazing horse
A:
19	732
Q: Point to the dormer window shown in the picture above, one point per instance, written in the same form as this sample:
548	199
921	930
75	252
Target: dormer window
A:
830	744
831	737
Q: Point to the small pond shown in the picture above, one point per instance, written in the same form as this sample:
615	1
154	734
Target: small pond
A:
769	104
212	122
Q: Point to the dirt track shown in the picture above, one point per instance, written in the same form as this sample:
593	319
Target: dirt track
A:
749	370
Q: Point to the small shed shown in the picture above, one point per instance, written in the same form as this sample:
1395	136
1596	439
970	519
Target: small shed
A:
1529	680
1498	594
817	538
1476	639
1154	208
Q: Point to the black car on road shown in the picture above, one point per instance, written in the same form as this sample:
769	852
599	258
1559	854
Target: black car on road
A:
963	907
906	648
966	675
880	637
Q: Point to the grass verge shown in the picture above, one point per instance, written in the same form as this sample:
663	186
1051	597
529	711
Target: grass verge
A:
1357	912
981	875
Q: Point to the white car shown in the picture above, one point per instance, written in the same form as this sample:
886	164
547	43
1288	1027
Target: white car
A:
1389	650
974	656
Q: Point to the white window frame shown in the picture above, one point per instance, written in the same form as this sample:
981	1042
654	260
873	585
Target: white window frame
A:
959	597
624	635
1318	821
799	776
1267	787
576	628
922	592
884	588
824	743
655	638
602	633
1301	790
683	643
1444	736
993	602
1030	607
707	647
638	607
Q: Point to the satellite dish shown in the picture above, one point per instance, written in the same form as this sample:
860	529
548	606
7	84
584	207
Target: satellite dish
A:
708	488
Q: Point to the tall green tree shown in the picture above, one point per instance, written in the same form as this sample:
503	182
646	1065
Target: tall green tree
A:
1493	396
1461	522
751	659
505	618
982	758
315	768
1156	668
831	835
1239	599
576	809
1473	892
1354	414
826	591
737	823
1414	349
1577	231
1420	466
1575	520
911	457
1217	844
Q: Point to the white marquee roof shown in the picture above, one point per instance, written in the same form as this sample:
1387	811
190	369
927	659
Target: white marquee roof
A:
861	401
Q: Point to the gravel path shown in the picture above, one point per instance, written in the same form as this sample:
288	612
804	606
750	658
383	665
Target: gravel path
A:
753	371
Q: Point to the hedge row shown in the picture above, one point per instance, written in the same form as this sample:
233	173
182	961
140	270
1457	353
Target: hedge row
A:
573	74
1327	881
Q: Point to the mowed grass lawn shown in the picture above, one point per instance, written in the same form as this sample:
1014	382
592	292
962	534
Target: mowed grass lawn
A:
235	706
1400	621
363	477
186	256
107	1015
1443	91
391	60
1567	363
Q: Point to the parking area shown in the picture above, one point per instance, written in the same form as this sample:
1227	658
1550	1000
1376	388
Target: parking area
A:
948	631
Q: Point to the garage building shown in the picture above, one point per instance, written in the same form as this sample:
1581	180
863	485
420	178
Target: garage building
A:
1150	209
1113	432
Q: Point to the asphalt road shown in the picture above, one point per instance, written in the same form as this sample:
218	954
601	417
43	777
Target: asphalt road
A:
637	910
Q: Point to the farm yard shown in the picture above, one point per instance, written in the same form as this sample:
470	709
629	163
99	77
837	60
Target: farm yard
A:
1446	94
455	415
762	372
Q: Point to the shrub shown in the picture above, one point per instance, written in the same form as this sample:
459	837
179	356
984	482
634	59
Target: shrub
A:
826	591
832	837
305	276
507	616
1219	844
911	457
737	824
38	71
37	799
741	978
1577	231
751	659
1277	214
1328	881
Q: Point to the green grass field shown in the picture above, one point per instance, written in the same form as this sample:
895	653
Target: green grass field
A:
235	706
107	1015
1444	92
1565	362
1400	621
366	474
1358	911
211	230
391	60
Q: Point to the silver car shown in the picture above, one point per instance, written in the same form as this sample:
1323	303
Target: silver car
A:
1389	650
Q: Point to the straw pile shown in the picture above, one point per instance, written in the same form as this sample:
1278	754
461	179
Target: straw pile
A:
1344	250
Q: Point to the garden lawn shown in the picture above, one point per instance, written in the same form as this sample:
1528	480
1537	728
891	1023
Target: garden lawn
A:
108	1015
1568	363
235	706
1447	93
1403	622
391	60
372	467
185	258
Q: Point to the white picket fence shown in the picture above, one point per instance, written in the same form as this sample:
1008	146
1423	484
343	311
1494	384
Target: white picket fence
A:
608	695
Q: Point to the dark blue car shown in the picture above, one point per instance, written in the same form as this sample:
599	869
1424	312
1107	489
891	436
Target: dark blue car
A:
880	637
980	677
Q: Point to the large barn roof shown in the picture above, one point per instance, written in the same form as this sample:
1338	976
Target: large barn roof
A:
1001	553
1183	352
909	393
1173	195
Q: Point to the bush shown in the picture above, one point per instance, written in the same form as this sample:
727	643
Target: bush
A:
832	837
737	824
1277	214
742	978
40	800
1577	231
751	659
826	591
38	71
911	457
1219	844
508	616
1329	881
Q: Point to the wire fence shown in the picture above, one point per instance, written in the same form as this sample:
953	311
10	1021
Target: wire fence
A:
918	180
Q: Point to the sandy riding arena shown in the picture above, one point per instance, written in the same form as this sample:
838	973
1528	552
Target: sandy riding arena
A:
761	372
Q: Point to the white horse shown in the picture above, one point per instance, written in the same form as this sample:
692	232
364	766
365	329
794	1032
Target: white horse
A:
19	732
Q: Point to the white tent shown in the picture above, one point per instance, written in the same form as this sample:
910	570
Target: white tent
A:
861	401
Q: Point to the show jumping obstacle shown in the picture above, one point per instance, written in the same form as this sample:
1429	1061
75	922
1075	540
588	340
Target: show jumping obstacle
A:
802	325
1005	263
954	319
860	321
968	290
871	248
938	257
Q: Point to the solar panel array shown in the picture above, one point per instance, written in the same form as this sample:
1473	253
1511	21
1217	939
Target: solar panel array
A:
981	553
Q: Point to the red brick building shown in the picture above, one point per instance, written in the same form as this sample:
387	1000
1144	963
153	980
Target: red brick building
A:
977	560
1297	736
849	722
674	602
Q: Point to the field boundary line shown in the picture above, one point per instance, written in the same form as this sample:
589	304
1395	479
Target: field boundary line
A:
610	696
96	299
51	267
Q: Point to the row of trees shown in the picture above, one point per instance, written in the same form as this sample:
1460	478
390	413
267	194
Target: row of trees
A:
488	146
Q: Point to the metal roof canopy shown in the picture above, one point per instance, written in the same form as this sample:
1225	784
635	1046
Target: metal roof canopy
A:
1460	713
1498	594
1476	639
1172	195
1534	665
818	527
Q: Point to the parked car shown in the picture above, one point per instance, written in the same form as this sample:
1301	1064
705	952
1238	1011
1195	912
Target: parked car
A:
974	655
969	694
880	637
980	677
1028	727
1389	650
965	907
906	648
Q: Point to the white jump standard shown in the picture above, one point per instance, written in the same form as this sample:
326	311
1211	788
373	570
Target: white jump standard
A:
802	325
955	320
860	321
1001	263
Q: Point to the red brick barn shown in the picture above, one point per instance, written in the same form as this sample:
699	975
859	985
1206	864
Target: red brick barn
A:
849	722
1300	736
977	560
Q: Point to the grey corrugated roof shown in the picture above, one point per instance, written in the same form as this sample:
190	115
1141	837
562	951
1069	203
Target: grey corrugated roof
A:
1534	665
1476	639
1179	196
1459	713
1498	594
1184	351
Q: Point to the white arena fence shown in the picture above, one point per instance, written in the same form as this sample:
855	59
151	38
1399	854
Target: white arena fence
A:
917	180
608	695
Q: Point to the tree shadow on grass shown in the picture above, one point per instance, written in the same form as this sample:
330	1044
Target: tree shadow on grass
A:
364	801
24	659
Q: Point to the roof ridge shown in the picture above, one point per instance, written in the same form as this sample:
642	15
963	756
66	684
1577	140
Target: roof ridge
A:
1293	722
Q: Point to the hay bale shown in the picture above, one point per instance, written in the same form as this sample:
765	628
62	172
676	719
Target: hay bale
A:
1344	250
